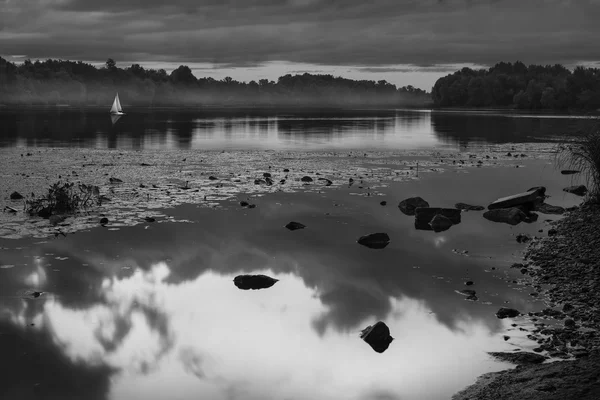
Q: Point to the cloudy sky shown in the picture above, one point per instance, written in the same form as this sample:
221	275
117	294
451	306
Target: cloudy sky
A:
403	41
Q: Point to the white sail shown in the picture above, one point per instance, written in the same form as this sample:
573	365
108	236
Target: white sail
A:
116	106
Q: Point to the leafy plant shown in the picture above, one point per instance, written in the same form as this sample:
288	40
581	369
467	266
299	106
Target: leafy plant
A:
583	154
63	198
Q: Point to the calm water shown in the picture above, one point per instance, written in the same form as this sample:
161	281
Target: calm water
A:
268	129
151	312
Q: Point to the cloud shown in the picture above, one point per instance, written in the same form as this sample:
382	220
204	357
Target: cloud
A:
333	32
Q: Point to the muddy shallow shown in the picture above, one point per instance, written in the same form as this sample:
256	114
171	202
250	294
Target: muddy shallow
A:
149	310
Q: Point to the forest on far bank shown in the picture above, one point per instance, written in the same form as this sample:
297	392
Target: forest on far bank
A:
519	86
54	82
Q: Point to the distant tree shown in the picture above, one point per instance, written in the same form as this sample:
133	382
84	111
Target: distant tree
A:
111	64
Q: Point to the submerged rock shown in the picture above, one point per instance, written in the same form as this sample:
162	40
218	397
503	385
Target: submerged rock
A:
439	223
578	190
408	206
375	240
514	200
512	216
504	312
16	196
254	282
426	214
377	336
292	226
549	209
244	203
519	357
468	207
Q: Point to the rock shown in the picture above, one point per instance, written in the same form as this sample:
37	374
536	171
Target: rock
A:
578	190
259	181
115	180
512	216
426	214
409	205
244	203
10	209
266	175
292	226
45	212
383	203
468	207
423	226
519	357
569	323
517	199
567	307
375	240
506	337
212	178
552	232
469	283
286	170
548	209
569	171
327	181
306	179
541	190
523	238
504	312
439	223
251	205
467	292
103	221
254	282
377	336
269	181
149	219
16	196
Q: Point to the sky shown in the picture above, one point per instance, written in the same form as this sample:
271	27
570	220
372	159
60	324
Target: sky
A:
406	42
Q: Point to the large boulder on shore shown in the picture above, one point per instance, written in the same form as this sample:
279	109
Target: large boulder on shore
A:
409	205
439	223
512	216
377	336
246	282
525	198
377	240
504	312
579	190
426	214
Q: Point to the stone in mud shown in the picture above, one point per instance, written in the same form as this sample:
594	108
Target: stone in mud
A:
468	207
504	312
103	221
517	199
292	226
426	214
512	216
115	180
578	190
254	282
439	223
548	209
375	240
569	171
16	196
377	336
306	179
327	181
519	357
409	205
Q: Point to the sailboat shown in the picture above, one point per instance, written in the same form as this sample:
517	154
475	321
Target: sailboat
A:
116	107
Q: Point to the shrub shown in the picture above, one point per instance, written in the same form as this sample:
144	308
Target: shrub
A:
63	198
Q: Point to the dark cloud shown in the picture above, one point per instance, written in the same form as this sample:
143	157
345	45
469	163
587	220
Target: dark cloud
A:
332	32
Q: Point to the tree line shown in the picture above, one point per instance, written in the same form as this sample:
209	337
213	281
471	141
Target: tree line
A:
519	86
53	82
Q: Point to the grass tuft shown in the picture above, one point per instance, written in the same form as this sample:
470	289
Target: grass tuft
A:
63	198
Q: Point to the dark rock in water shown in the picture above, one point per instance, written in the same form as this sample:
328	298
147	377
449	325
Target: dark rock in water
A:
519	357
409	205
286	170
578	190
45	212
523	238
569	323
377	336
268	181
292	226
16	196
541	190
115	180
517	199
383	203
251	205
254	282
439	223
266	175
468	283
103	221
512	216
212	178
375	240
426	214
259	181
548	209
422	226
507	313
36	294
327	181
552	232
149	219
530	217
506	337
306	179
569	172
282	181
468	207
467	292
244	203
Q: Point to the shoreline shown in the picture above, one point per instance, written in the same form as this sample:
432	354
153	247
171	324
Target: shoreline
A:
567	260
